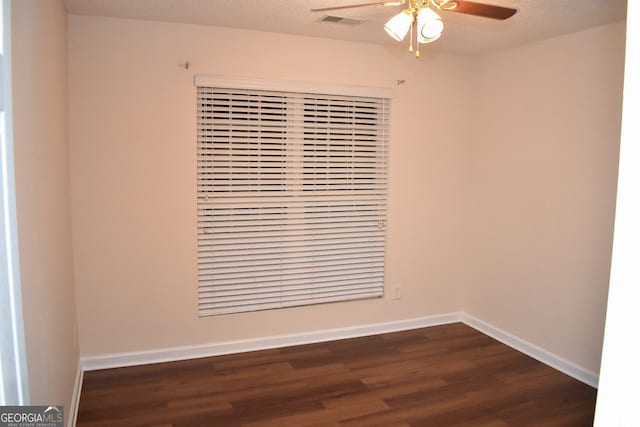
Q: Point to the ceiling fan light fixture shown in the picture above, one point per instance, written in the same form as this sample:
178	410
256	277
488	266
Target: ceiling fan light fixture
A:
430	26
398	26
420	16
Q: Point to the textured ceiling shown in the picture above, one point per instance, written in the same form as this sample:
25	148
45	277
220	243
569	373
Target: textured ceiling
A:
535	20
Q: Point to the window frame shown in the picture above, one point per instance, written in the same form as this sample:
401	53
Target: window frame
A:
300	94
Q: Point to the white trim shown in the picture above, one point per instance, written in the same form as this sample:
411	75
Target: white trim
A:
532	350
15	384
291	86
75	397
240	346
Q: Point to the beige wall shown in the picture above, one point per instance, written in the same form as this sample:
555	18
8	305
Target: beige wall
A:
132	127
502	181
39	66
542	190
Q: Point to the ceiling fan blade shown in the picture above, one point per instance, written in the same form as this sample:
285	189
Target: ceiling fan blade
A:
484	10
351	6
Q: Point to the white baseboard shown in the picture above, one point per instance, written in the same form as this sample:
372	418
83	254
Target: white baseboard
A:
75	397
532	350
216	349
240	346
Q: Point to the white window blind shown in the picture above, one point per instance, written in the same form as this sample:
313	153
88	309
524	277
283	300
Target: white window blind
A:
292	191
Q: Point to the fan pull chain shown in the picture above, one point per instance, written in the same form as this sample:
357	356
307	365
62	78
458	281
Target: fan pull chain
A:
411	38
417	39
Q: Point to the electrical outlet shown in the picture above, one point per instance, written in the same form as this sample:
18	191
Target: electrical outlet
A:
395	293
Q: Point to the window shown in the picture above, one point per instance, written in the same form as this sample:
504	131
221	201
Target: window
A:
292	190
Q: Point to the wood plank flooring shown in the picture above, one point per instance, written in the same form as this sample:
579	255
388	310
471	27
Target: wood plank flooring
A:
447	375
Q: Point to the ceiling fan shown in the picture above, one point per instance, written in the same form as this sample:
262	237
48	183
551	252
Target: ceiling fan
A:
422	15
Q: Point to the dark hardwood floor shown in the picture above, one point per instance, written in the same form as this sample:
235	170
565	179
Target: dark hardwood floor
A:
447	375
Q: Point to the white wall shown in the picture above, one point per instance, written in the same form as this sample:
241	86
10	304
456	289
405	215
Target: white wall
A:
617	397
132	126
542	183
41	154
